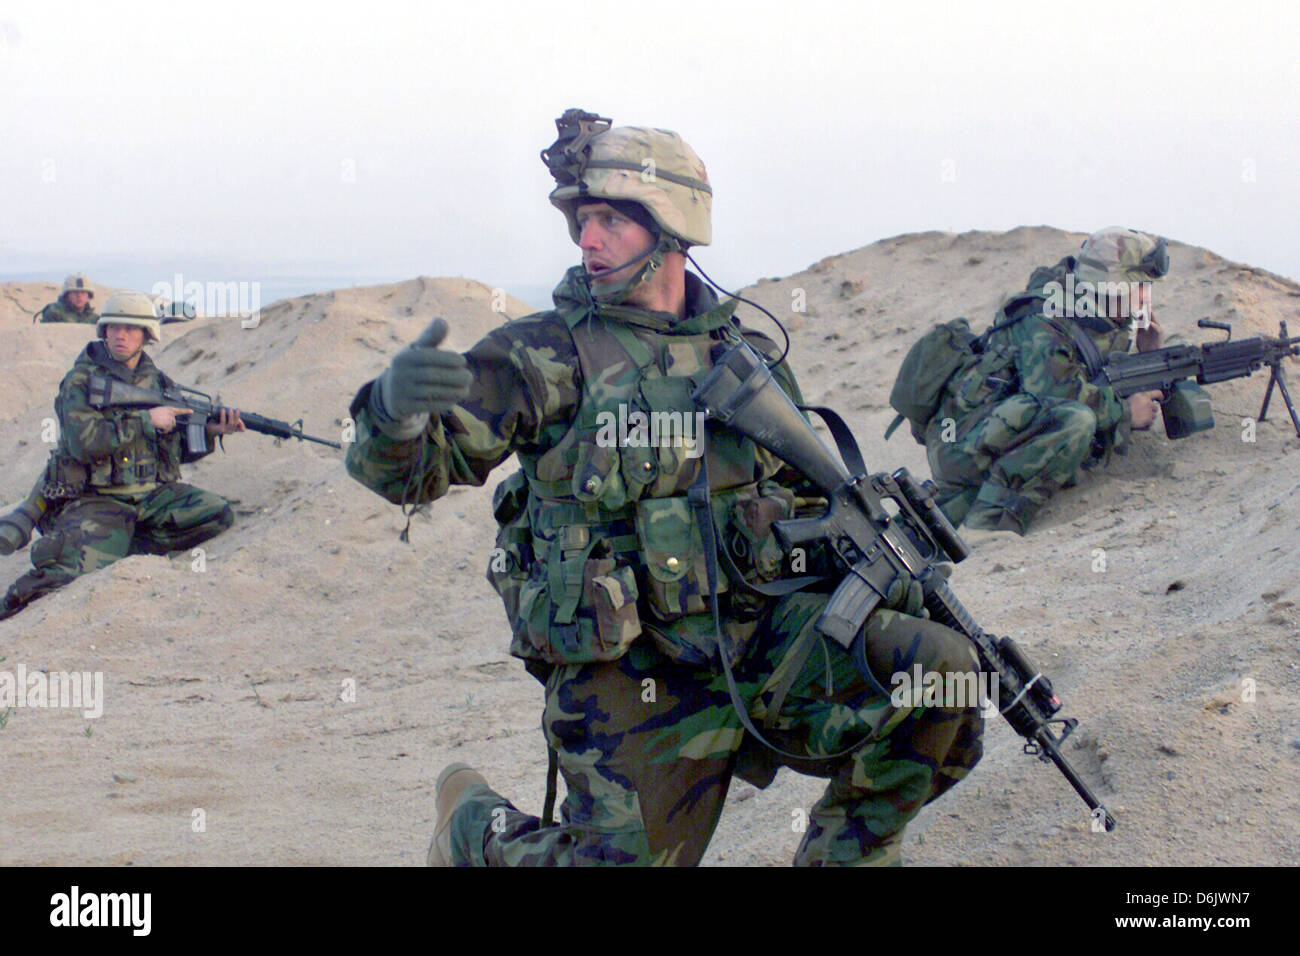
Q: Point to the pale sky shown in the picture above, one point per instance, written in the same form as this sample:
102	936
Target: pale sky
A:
390	140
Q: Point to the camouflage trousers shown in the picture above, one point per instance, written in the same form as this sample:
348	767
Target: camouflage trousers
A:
93	531
998	469
647	748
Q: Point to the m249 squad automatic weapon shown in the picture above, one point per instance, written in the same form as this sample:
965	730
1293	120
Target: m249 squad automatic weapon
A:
1178	370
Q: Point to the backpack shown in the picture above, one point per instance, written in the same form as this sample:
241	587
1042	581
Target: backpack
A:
932	362
926	370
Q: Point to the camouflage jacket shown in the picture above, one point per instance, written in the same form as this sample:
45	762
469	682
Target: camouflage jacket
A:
60	311
597	544
119	449
1037	355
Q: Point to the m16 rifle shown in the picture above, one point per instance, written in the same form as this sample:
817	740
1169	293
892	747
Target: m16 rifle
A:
1185	408
874	546
106	392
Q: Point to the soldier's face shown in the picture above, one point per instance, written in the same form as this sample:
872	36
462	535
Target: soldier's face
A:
1140	301
123	341
607	239
78	300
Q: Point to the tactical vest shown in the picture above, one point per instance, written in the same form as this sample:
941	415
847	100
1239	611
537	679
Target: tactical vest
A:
990	375
138	465
59	311
597	537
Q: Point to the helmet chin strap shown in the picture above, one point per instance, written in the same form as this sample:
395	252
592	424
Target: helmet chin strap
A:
127	359
654	260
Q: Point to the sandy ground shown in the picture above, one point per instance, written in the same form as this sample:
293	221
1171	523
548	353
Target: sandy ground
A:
289	695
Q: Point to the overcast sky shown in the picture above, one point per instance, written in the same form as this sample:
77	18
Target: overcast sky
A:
388	140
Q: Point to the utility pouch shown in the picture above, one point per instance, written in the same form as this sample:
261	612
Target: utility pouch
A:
512	557
672	551
64	478
989	378
576	609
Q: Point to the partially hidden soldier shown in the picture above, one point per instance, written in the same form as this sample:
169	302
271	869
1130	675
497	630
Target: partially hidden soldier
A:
600	564
112	486
73	304
1023	417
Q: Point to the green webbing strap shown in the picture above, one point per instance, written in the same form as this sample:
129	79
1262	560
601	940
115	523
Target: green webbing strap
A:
637	350
700	503
564	578
893	426
795	660
640	169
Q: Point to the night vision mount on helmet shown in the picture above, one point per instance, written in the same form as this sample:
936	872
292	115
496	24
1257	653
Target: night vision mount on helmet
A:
591	161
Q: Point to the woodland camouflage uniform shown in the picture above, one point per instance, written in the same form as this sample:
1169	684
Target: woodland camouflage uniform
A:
61	311
1020	421
604	583
112	486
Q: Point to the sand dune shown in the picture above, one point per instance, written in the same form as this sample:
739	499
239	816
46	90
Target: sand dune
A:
301	682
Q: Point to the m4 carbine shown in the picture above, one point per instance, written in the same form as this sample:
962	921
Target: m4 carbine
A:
1184	407
874	546
106	392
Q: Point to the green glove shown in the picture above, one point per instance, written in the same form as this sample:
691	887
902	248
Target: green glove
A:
423	379
907	596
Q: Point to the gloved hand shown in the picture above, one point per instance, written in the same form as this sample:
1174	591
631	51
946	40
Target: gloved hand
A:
906	596
423	379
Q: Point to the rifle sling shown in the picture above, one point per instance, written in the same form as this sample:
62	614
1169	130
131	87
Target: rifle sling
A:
698	494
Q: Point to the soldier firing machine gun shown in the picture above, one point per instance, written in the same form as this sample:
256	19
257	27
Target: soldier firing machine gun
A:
1185	408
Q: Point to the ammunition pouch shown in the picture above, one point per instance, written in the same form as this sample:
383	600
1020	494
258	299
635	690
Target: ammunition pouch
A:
1187	410
578	582
568	597
672	553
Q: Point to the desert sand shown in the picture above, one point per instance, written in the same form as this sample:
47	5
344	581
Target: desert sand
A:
289	695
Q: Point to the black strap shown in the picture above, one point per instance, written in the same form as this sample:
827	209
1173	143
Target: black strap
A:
1088	350
698	494
982	341
552	768
850	454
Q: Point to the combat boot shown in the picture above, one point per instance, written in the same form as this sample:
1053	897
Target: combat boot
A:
16	527
452	783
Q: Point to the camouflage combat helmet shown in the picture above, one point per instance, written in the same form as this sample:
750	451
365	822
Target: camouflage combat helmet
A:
654	168
1119	253
130	308
77	282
